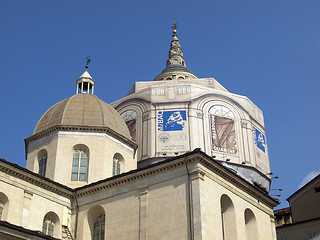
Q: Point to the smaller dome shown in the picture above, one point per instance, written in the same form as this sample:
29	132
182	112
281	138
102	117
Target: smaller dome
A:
82	110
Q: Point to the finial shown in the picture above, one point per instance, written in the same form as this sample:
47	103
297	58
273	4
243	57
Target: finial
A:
174	26
88	61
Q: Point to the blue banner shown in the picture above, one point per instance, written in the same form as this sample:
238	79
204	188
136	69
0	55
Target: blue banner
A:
172	120
259	139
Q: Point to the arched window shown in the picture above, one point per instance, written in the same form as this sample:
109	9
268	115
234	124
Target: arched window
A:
51	225
129	117
117	161
79	164
42	161
4	205
228	220
251	225
96	221
98	228
222	111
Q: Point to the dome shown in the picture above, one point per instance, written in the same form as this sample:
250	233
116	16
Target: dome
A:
83	110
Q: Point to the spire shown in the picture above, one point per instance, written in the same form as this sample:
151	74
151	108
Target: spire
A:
175	53
85	83
176	65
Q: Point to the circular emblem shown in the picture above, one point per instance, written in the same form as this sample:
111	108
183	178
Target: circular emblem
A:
164	137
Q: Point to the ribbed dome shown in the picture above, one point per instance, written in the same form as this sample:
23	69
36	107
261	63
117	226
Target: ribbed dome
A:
83	110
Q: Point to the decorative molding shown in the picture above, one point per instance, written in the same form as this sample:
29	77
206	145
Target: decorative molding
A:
126	179
71	128
28	194
197	174
144	189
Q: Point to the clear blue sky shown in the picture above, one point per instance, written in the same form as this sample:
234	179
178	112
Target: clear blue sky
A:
266	50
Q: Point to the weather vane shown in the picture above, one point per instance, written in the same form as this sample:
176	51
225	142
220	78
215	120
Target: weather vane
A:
88	61
174	24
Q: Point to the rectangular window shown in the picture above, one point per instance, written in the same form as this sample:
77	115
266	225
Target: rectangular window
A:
43	165
74	177
99	231
157	91
185	90
118	167
50	229
114	168
83	168
75	167
44	227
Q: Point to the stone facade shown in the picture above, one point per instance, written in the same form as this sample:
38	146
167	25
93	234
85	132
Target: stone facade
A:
183	158
174	199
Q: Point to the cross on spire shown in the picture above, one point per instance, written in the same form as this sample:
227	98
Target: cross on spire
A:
174	24
88	61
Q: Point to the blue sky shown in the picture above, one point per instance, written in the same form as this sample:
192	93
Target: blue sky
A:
266	50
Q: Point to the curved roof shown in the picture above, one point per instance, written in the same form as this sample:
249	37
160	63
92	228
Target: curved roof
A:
82	110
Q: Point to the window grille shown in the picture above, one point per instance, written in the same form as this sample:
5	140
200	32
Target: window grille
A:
116	166
222	111
43	165
98	228
48	226
79	165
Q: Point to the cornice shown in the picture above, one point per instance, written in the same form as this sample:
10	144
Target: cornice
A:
238	181
35	179
173	163
74	128
191	158
126	178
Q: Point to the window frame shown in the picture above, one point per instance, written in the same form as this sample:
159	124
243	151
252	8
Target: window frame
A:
48	226
116	166
42	161
79	169
99	225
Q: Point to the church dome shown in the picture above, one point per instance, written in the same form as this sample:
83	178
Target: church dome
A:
82	110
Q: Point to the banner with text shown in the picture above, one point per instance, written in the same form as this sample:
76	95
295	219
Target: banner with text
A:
223	135
172	131
260	148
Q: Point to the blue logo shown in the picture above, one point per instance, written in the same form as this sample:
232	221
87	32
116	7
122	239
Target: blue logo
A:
172	120
259	139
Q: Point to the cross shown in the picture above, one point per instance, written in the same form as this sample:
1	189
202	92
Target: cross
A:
174	23
88	61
